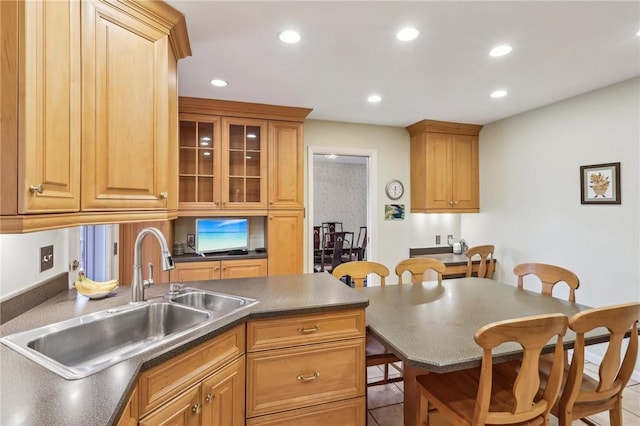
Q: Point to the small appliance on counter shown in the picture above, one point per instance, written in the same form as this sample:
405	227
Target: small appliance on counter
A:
457	248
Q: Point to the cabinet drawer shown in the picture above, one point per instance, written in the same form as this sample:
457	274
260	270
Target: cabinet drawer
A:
163	382
286	379
342	413
304	329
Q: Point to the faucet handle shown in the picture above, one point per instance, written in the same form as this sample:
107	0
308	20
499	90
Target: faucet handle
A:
147	283
175	288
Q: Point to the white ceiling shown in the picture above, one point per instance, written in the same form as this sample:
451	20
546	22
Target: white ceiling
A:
349	50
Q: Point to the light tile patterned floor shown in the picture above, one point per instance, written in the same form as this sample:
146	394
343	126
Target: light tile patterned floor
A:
385	406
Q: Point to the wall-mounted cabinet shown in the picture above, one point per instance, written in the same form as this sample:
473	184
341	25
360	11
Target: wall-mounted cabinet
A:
444	167
115	61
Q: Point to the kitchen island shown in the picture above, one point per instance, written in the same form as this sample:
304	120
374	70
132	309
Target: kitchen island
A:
33	395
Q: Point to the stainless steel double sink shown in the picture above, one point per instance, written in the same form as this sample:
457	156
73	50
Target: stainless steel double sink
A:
81	346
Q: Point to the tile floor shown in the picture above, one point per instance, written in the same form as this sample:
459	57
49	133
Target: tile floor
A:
385	403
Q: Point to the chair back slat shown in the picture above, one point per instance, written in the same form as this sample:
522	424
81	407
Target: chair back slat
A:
615	369
549	276
487	263
359	270
532	334
418	266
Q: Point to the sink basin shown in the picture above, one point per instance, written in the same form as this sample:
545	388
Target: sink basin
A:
220	304
84	345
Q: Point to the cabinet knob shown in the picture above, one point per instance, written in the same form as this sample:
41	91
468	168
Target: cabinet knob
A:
197	408
455	203
216	202
451	203
164	195
210	398
36	188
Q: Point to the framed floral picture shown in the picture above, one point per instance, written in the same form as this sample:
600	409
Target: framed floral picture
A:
600	184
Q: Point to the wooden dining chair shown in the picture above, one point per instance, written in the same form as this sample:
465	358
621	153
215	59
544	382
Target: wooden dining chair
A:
418	266
549	275
584	395
376	351
359	270
483	395
487	263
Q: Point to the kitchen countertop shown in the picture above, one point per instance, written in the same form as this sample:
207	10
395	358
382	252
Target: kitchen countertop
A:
33	395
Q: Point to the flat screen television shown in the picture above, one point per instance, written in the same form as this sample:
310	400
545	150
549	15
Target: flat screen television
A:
220	235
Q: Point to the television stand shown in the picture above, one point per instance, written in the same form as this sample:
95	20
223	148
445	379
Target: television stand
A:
237	252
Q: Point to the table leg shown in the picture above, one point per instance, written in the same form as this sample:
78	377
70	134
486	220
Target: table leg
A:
411	417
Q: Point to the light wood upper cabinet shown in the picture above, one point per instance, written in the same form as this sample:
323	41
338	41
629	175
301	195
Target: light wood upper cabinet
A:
444	167
125	110
40	107
284	242
244	163
89	112
285	165
254	161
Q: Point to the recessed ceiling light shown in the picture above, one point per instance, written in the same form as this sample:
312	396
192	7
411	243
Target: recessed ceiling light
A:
218	83
500	50
289	37
498	93
407	34
374	98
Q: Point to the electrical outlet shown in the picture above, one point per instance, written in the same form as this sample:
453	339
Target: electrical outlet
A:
437	239
46	258
191	240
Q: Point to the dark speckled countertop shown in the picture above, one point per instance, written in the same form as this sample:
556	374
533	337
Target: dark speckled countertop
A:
33	395
431	326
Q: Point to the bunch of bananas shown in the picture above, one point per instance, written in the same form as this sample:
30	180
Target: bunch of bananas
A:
88	287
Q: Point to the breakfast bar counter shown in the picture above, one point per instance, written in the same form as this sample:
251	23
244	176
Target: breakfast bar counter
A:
33	395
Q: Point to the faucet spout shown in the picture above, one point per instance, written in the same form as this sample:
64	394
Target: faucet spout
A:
137	285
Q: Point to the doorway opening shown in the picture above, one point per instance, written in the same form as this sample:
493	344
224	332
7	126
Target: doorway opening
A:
341	184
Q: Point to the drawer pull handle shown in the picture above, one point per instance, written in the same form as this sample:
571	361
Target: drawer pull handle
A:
302	378
313	329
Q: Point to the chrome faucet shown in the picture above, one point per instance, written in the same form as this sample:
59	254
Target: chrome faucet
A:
138	284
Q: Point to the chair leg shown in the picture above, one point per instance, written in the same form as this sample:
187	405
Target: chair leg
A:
423	411
615	414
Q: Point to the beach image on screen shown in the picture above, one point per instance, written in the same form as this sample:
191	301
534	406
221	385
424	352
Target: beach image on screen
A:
221	234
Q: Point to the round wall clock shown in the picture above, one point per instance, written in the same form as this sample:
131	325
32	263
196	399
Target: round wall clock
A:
394	189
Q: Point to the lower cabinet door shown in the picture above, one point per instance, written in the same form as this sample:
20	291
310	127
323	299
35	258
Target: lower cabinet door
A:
223	396
183	410
351	412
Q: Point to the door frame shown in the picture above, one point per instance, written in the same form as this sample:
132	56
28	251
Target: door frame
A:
372	175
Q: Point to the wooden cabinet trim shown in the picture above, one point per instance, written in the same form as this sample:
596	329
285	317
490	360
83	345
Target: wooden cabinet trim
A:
242	109
301	330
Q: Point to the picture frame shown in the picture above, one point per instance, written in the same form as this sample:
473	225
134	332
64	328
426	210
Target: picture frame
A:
600	184
394	212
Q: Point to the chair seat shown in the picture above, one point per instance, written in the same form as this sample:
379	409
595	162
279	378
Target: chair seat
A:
374	346
458	390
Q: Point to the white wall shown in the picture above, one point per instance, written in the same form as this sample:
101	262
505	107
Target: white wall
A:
530	193
391	145
19	259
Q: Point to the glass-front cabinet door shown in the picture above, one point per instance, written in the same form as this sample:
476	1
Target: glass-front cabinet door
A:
200	162
244	164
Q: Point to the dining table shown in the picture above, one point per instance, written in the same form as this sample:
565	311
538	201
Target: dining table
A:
430	326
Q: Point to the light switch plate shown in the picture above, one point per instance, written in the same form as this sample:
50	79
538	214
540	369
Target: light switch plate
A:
46	258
